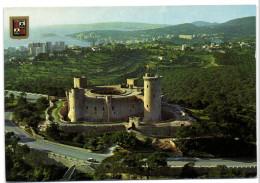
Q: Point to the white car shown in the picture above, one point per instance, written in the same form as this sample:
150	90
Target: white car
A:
92	160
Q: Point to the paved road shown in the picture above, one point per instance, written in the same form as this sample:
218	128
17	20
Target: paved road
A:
31	97
49	146
214	162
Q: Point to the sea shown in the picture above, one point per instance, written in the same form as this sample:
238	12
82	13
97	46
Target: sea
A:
35	36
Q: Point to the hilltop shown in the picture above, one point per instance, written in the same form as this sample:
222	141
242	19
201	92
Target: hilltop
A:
203	23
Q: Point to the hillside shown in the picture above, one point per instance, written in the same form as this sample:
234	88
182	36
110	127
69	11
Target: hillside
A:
233	30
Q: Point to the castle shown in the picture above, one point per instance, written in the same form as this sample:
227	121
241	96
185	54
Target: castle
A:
115	102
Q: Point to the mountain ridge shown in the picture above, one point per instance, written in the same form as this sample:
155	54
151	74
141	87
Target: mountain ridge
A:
232	29
204	23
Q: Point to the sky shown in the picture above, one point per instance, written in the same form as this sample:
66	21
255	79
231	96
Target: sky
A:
147	14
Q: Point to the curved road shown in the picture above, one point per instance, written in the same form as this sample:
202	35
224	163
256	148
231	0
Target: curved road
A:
50	146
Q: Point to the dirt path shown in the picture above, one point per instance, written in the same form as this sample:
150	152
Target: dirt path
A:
213	62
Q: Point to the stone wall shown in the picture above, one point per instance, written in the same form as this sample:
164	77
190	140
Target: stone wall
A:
91	128
118	109
123	108
95	109
157	131
48	112
63	113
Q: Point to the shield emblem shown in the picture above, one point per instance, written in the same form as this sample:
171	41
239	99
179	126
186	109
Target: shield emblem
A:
19	27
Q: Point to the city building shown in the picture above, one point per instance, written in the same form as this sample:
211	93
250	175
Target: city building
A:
48	47
11	49
22	48
185	36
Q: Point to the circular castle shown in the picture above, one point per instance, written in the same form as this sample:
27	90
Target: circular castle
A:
116	102
143	108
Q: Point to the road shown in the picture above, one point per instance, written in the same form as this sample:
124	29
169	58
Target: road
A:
82	154
214	162
31	97
69	151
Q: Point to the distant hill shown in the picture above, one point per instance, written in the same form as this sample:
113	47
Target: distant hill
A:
48	35
203	23
237	29
122	26
115	26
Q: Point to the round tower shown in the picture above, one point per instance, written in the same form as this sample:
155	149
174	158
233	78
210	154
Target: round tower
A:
152	98
80	82
76	103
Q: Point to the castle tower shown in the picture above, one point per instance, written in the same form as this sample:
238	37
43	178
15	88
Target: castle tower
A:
80	82
76	103
152	98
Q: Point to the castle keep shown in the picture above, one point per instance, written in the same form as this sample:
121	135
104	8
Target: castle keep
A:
115	102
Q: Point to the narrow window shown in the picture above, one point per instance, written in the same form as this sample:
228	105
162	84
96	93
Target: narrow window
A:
103	108
113	108
95	108
147	86
147	105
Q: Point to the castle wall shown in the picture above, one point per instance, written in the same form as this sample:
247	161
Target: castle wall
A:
95	109
122	108
115	109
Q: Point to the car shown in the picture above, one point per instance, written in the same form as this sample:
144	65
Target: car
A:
92	160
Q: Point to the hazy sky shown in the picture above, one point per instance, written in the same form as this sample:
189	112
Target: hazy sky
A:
147	14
